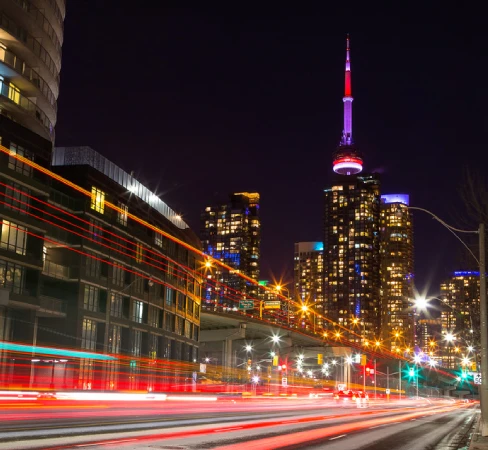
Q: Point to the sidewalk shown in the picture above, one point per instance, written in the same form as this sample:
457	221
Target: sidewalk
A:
478	442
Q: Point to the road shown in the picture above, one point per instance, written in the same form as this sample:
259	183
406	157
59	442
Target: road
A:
236	424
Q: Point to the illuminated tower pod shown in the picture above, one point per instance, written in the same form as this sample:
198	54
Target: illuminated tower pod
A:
460	316
308	275
31	36
231	233
396	269
347	160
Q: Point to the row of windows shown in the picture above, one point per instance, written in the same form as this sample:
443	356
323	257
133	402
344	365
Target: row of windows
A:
89	336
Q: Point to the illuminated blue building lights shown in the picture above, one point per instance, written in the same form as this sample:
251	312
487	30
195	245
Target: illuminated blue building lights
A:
396	198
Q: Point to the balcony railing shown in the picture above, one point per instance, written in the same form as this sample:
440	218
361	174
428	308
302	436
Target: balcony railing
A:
55	270
52	304
30	42
12	60
27	105
41	20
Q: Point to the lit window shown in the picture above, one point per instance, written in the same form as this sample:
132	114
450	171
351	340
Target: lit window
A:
158	239
139	252
13	238
14	93
122	214
90	300
16	164
97	200
137	313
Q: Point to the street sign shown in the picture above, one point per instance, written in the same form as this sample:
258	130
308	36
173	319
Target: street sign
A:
284	382
272	304
477	378
387	391
246	304
203	368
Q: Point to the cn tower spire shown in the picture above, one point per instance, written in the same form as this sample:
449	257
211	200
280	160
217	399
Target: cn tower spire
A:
347	161
347	133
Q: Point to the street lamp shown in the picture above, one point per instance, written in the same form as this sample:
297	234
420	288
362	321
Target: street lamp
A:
483	309
280	288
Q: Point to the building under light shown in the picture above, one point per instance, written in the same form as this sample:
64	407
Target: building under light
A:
308	275
231	233
460	315
31	36
76	273
351	236
396	256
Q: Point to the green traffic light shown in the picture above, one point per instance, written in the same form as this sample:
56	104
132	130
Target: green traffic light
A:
411	372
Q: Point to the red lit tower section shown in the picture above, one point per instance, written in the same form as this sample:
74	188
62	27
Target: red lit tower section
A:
347	160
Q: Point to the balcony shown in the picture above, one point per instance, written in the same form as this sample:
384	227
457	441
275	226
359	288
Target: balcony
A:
51	307
16	100
22	68
54	270
12	28
40	19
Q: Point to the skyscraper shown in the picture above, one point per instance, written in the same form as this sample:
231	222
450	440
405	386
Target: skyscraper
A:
31	35
231	233
351	235
309	273
460	315
396	255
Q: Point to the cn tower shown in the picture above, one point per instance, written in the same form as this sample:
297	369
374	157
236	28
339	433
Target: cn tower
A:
347	160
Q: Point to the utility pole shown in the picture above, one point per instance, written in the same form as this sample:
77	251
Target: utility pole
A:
400	378
484	334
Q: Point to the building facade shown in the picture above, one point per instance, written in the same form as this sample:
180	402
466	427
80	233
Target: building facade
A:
87	269
396	256
308	275
351	254
31	36
231	233
460	316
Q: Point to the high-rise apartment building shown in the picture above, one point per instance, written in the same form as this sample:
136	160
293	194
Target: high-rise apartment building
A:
396	256
308	275
31	36
231	233
351	254
460	316
351	236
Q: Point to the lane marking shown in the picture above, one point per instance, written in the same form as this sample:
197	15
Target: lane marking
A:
228	429
114	442
338	437
412	420
372	428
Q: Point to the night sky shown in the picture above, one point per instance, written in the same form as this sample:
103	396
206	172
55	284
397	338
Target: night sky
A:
200	103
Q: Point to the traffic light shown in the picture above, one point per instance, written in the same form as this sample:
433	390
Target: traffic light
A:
473	366
275	360
320	359
363	360
411	372
249	362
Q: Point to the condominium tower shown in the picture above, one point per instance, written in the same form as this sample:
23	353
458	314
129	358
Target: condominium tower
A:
308	275
396	256
231	233
31	36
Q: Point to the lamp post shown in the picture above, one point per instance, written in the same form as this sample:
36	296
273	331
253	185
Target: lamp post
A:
483	309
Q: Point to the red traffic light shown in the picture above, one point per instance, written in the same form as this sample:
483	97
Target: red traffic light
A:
283	366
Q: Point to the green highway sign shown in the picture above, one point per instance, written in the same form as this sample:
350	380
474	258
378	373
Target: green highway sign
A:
272	304
246	304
